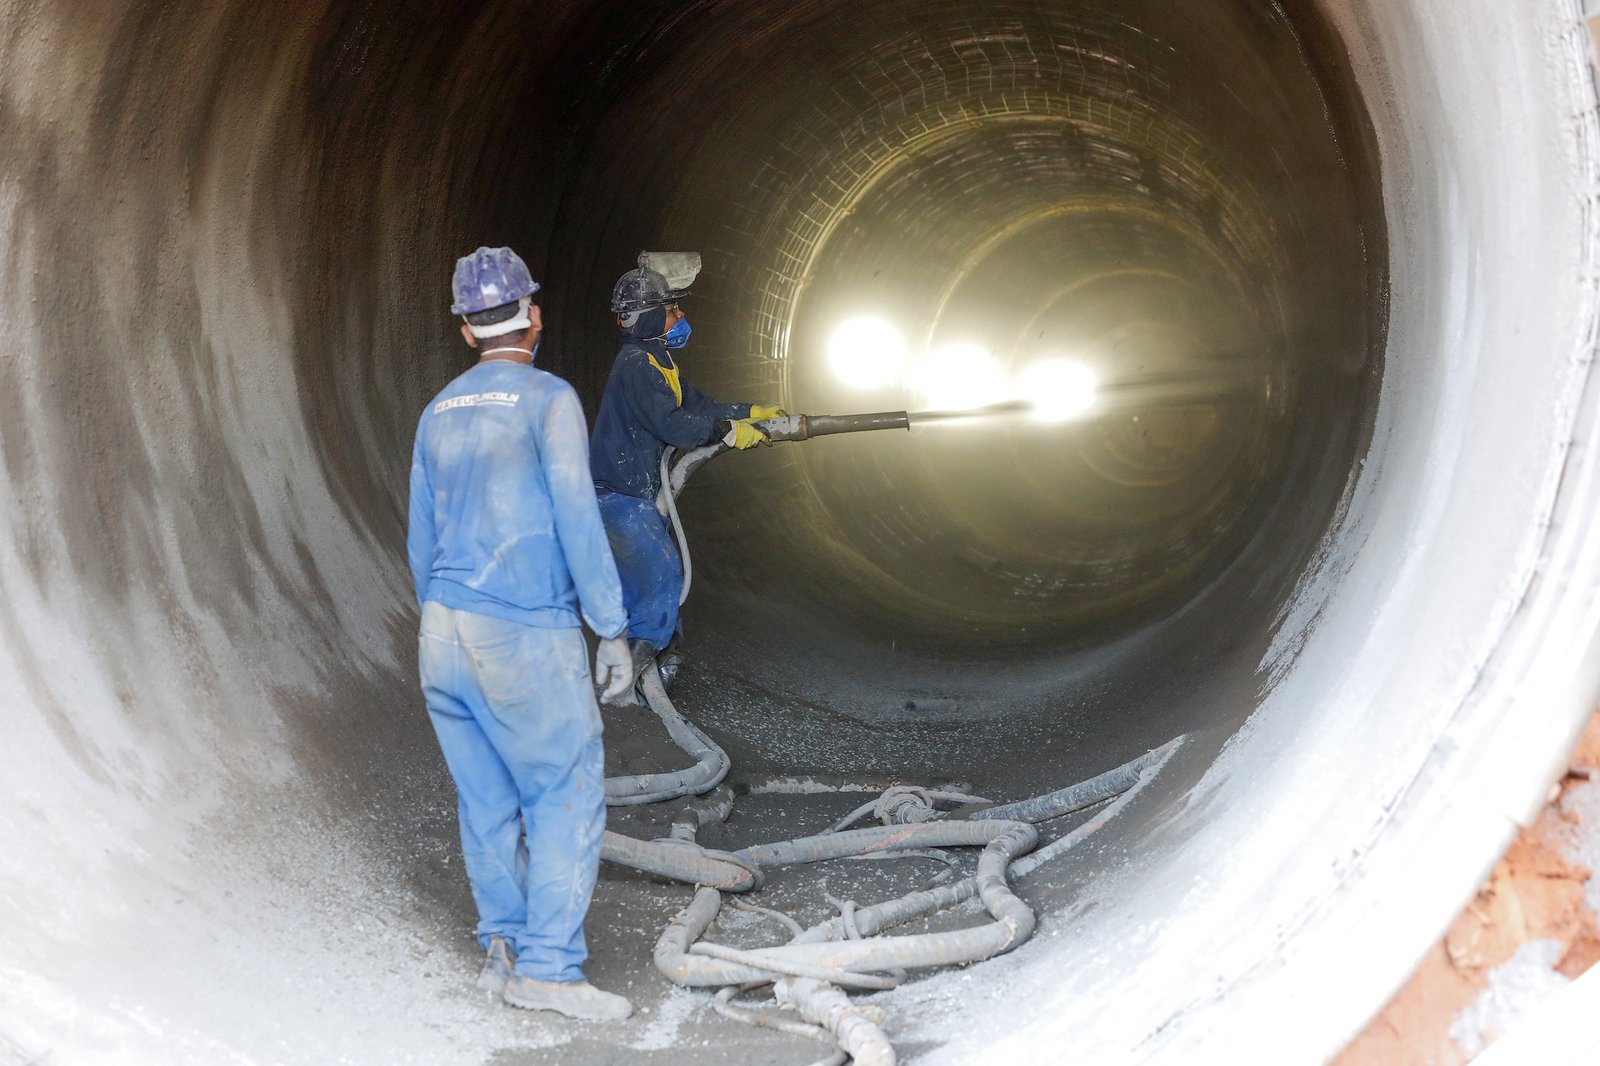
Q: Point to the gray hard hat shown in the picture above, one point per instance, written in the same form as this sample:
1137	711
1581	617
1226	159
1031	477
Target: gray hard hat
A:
660	278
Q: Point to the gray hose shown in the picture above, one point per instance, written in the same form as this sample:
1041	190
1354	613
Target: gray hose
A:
951	866
1013	922
875	919
1074	797
686	463
830	1008
681	862
671	953
700	813
879	838
764	1019
1056	848
669	496
906	811
872	920
781	918
711	762
696	866
863	981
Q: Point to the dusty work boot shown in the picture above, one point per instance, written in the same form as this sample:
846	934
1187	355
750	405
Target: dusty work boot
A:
575	999
497	967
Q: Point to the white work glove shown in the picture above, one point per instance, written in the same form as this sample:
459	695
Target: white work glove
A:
613	667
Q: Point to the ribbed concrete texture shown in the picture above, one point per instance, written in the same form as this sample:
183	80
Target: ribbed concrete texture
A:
1337	258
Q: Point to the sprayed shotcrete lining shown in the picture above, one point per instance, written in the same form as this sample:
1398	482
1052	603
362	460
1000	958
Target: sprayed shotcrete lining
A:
224	234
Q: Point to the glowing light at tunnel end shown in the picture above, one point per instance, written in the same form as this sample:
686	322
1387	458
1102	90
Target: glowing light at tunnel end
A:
867	352
960	376
1059	389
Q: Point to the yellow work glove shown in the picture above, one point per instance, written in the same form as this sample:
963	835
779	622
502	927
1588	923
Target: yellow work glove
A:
760	412
744	435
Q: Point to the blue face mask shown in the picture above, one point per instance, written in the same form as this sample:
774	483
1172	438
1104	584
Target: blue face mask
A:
678	335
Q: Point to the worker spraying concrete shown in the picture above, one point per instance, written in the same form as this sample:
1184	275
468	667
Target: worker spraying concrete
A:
653	430
648	414
813	972
648	407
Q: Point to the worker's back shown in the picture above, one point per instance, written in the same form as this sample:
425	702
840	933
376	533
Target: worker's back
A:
485	531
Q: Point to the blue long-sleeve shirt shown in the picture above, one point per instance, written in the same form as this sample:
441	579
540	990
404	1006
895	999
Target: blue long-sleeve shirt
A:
641	413
503	514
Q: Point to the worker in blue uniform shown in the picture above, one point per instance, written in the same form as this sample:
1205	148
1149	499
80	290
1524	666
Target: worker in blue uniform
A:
509	558
647	406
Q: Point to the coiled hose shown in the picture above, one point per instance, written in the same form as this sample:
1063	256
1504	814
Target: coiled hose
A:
711	763
811	971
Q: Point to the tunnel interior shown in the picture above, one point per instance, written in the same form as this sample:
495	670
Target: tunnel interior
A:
1186	201
1030	181
227	232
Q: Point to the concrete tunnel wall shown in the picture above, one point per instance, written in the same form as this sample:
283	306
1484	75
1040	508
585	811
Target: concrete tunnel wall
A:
226	231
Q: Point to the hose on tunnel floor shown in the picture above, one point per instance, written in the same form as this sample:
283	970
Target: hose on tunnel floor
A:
723	1005
776	915
700	813
682	958
813	978
711	763
688	864
812	970
898	800
859	1035
874	919
1073	798
822	955
880	838
860	981
1011	923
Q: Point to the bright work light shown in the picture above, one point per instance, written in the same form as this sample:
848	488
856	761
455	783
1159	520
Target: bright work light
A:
867	352
1059	389
960	377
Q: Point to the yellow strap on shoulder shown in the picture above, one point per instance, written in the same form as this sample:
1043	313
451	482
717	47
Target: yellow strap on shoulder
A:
670	375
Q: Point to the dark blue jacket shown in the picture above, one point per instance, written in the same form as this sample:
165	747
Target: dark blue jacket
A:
640	414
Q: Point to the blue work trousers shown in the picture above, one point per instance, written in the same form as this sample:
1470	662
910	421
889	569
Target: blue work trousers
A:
648	564
515	713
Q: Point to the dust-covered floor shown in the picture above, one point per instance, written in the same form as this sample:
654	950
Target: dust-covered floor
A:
763	733
674	1025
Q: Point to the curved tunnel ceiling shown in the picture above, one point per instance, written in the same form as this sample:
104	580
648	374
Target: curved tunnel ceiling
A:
225	232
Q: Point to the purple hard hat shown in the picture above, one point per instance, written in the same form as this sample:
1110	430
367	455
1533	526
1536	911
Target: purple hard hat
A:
490	278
